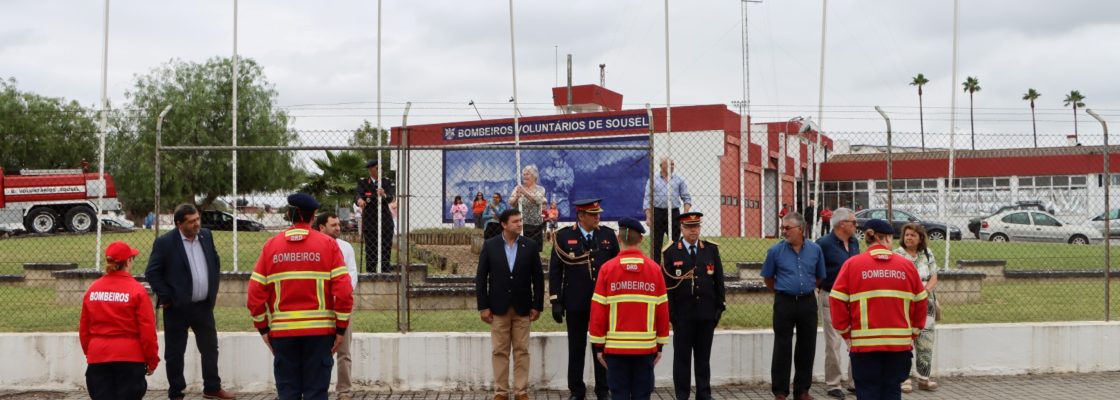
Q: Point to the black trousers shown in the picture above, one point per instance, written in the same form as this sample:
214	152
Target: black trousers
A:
790	313
302	366
878	375
116	380
660	226
577	351
631	376
369	235
199	318
693	338
535	232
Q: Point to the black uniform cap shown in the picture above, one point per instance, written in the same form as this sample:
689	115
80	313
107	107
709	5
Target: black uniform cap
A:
631	224
303	201
371	163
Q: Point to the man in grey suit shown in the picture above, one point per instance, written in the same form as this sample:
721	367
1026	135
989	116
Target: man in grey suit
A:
183	271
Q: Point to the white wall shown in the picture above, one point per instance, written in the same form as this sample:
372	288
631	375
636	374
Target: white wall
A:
446	361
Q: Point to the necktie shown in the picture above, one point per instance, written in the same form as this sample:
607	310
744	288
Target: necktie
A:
692	250
589	239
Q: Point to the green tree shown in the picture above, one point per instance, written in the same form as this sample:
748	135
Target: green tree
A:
1032	95
971	85
44	132
338	173
920	81
200	96
366	135
1074	98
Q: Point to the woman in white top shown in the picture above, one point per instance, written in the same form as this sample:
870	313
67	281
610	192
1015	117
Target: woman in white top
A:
529	196
915	249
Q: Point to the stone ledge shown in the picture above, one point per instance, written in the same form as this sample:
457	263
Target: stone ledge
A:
991	268
16	279
462	279
49	266
749	271
1057	274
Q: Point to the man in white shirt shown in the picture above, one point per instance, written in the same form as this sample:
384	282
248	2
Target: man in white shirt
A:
329	224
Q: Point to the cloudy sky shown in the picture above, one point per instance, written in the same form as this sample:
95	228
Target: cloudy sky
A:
321	56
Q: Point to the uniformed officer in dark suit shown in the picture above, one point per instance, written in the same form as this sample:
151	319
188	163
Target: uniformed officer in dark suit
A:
577	253
694	277
366	197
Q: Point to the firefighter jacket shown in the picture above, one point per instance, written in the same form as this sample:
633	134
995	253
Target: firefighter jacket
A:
300	286
629	309
695	283
878	301
117	322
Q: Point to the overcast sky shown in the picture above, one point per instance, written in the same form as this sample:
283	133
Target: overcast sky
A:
321	56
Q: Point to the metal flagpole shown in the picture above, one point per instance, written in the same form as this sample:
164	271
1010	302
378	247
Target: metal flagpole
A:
234	112
103	126
516	125
668	139
820	129
377	155
952	129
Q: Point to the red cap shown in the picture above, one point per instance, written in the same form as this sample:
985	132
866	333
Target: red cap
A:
119	251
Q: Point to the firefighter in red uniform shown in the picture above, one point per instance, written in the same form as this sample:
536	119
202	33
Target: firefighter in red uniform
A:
629	291
306	324
879	306
118	330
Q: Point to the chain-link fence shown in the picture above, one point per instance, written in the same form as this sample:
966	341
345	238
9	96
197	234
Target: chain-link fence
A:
1025	224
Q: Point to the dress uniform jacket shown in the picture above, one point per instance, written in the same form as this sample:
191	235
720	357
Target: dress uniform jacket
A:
300	285
695	284
117	322
573	281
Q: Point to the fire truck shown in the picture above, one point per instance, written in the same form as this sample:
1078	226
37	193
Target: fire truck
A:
46	200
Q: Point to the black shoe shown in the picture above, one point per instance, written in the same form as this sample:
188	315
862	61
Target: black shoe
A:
836	394
851	390
574	397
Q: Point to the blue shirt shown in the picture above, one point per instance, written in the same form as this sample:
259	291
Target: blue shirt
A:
511	253
794	273
835	255
490	214
661	193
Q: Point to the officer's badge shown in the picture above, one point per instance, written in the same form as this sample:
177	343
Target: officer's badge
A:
678	272
678	263
711	269
572	241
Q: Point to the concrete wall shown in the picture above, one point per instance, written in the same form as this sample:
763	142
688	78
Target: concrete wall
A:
447	361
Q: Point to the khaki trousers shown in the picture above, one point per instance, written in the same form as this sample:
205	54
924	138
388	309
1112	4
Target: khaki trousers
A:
343	357
510	331
833	344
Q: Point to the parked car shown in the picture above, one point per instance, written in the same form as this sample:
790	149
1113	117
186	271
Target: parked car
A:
116	222
935	229
222	221
1035	226
974	224
1097	222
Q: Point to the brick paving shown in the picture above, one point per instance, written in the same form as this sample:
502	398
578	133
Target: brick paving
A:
1095	386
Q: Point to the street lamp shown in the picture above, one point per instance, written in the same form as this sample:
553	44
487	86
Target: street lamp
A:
475	109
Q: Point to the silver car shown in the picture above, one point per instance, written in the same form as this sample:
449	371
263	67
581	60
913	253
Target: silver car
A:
1097	222
1035	226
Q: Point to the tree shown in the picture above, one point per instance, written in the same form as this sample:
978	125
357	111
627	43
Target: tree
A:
200	96
920	81
1074	99
1032	95
366	135
44	132
339	172
971	85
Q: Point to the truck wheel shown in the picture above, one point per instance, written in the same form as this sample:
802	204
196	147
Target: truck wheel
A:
79	219
41	220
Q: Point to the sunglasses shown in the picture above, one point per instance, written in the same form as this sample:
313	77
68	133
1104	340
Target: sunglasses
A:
786	228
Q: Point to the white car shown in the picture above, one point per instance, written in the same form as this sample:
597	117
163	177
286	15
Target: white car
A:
1035	226
1097	222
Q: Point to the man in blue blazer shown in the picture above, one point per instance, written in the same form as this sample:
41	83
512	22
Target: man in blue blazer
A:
510	289
183	271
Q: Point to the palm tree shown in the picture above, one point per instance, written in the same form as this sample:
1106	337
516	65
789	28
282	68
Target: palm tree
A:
920	81
1031	95
1074	99
971	85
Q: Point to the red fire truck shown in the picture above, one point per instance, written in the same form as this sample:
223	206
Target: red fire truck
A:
46	200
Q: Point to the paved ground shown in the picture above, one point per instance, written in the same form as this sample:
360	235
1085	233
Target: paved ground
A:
1102	386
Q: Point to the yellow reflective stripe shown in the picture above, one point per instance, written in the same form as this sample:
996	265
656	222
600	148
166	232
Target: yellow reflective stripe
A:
921	296
337	272
276	303
293	232
863	313
881	342
260	318
915	331
871	294
283	276
598	298
862	333
287	326
845	330
662	340
906	310
596	339
342	316
880	252
302	314
320	289
631	260
650	309
612	323
628	344
838	295
632	335
256	276
632	298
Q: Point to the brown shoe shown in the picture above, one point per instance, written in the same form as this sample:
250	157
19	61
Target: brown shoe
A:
501	397
221	394
779	397
804	396
927	384
523	396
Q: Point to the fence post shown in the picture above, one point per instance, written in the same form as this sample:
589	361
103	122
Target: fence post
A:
404	259
890	172
159	142
1107	217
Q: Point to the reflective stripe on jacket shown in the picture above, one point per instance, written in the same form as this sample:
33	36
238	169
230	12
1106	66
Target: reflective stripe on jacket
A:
629	309
878	301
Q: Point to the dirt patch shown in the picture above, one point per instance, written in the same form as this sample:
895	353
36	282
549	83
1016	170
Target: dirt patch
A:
460	260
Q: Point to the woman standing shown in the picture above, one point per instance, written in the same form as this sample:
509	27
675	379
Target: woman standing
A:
117	330
477	207
530	197
459	212
915	249
493	209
